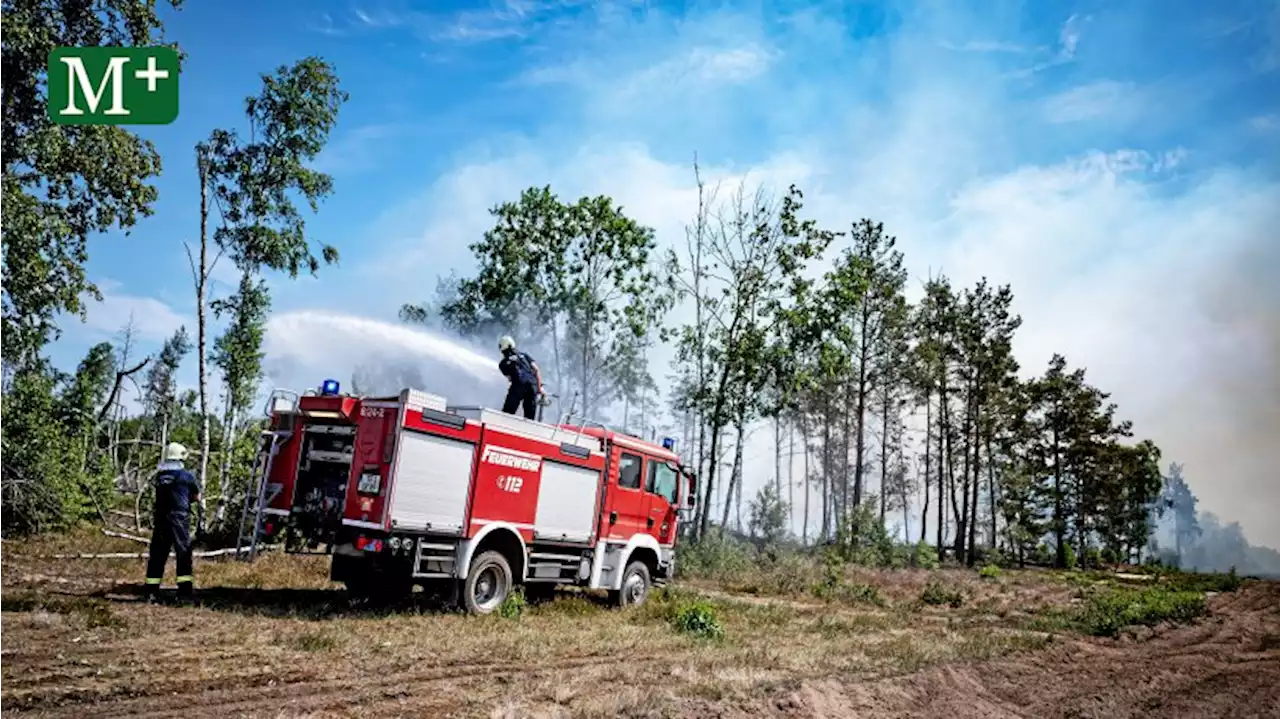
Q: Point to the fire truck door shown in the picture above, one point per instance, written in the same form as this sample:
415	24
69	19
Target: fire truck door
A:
628	509
661	484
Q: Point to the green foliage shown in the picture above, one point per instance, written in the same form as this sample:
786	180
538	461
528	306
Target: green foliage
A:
1107	612
576	276
256	180
698	619
1069	557
715	556
768	519
62	183
238	352
935	594
865	540
925	556
52	475
1179	580
514	605
990	571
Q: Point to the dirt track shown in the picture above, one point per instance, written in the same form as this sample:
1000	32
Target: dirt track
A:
1226	666
256	649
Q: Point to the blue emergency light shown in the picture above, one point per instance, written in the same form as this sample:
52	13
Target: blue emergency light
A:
669	443
329	387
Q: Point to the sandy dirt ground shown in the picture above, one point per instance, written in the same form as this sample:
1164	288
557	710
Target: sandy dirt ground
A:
274	639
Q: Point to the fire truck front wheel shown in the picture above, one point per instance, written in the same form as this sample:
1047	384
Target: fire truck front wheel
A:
635	585
488	583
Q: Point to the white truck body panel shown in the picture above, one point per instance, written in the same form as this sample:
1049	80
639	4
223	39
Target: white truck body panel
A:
529	427
432	482
567	497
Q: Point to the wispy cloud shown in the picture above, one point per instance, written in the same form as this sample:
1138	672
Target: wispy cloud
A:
1069	35
1265	123
358	150
991	46
1103	99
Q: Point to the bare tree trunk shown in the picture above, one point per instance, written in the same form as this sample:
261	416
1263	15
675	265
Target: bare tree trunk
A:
201	276
826	467
777	453
804	439
791	474
224	469
884	458
864	357
991	493
962	519
928	428
735	478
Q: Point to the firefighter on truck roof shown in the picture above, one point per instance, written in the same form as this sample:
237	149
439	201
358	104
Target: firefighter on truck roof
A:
525	378
176	490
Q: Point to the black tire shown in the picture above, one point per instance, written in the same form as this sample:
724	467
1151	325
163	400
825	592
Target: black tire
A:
489	582
636	584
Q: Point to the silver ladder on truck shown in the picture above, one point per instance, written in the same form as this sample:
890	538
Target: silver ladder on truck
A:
257	495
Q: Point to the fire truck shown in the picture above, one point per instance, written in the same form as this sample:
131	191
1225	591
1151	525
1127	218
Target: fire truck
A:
408	490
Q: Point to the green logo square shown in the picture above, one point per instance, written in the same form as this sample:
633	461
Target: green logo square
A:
113	85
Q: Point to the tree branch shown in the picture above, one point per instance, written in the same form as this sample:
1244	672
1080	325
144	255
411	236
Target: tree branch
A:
115	388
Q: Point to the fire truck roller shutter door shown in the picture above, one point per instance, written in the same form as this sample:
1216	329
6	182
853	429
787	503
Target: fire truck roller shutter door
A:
566	502
432	480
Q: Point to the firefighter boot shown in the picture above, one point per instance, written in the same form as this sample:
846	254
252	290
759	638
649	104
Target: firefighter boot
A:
186	589
151	593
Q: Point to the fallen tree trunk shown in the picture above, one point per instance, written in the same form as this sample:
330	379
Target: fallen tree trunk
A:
122	535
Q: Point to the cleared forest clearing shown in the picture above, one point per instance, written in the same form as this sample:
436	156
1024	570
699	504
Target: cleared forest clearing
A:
275	638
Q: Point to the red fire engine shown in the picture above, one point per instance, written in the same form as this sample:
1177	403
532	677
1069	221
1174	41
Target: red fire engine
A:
408	490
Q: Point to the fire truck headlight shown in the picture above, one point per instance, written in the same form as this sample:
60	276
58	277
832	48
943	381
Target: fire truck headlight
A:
584	568
395	544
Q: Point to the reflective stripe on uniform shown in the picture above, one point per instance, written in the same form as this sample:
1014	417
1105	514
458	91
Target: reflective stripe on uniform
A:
186	579
153	581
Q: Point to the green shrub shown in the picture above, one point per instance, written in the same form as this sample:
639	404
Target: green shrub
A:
935	594
1070	554
716	556
1043	555
1109	556
698	619
1108	612
990	571
1092	557
1200	582
514	605
926	556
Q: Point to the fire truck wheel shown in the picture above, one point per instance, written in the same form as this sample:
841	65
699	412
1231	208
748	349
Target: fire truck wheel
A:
635	585
488	583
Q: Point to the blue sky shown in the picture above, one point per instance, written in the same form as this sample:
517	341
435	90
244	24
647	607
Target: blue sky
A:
1116	162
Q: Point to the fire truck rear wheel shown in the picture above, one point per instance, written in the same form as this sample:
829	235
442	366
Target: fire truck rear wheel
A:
635	585
488	583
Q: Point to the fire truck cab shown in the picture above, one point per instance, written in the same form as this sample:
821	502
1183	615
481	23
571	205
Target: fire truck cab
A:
409	490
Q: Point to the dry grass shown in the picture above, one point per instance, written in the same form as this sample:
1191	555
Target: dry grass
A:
275	637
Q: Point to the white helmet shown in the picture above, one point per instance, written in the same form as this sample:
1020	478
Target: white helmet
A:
506	343
175	452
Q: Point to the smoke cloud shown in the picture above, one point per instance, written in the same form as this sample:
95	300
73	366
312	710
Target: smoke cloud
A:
1231	407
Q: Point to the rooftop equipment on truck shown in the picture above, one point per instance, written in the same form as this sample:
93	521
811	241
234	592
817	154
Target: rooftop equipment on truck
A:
408	490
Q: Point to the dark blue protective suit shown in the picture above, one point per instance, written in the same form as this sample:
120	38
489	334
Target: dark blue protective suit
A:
176	490
518	367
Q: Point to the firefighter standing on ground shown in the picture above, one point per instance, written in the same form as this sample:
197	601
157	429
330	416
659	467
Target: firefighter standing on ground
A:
526	379
176	490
